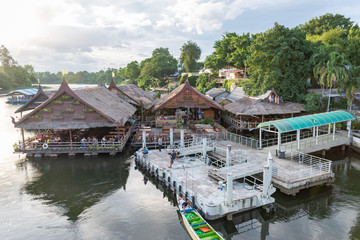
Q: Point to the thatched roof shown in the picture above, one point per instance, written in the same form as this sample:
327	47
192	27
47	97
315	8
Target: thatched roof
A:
138	96
161	103
114	109
250	107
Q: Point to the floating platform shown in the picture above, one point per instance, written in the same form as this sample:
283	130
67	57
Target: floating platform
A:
190	176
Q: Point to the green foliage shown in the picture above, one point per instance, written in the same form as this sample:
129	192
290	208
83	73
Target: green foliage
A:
132	70
326	22
231	51
190	53
158	95
206	121
204	83
13	75
312	102
160	66
192	79
279	60
355	124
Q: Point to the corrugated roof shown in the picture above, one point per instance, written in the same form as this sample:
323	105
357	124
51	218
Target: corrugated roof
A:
309	121
215	92
28	92
236	94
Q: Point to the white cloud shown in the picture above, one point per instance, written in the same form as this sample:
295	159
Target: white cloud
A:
95	34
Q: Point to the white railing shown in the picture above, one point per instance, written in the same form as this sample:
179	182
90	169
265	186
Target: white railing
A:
310	166
236	158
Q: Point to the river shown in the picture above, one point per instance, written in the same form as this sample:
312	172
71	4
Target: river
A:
108	198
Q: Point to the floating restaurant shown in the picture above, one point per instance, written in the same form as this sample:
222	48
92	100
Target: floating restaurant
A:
181	109
85	121
21	95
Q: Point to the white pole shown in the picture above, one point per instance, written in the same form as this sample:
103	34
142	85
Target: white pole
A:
171	137
143	139
334	128
204	148
182	138
267	175
229	189
329	130
260	144
313	131
317	135
298	138
228	156
279	142
349	128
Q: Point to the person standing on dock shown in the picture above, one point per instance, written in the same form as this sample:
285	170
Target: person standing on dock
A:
145	153
172	158
160	143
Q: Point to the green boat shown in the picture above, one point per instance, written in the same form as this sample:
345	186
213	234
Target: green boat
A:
197	227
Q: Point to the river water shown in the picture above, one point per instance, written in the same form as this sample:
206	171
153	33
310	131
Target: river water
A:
108	198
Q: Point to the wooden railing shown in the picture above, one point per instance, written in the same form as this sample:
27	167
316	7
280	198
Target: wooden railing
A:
238	124
66	147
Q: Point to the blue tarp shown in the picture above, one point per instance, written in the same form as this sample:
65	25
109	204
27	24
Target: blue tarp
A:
27	92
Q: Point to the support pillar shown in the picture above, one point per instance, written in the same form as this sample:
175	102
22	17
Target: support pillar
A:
349	128
143	139
267	173
182	144
279	142
314	132
23	138
229	189
317	135
260	138
204	148
171	137
334	129
298	138
228	156
70	138
329	130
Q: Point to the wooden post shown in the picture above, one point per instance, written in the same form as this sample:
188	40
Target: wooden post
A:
23	138
71	145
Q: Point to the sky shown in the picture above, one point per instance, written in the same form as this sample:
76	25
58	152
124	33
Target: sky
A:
92	35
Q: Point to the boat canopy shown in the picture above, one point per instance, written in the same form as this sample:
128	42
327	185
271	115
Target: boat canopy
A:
308	121
27	92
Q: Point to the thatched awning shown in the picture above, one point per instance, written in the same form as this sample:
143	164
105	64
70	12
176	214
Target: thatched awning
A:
250	107
138	96
175	96
115	111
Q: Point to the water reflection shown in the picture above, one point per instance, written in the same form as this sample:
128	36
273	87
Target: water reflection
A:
77	184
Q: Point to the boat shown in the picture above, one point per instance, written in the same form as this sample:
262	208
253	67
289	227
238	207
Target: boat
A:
197	227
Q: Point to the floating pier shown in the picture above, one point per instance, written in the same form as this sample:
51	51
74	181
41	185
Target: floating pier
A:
192	175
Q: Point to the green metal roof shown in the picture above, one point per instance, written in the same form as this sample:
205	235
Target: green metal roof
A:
309	121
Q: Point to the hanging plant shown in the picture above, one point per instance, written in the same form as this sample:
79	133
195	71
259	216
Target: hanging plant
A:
57	102
69	110
76	102
65	97
100	116
45	110
78	117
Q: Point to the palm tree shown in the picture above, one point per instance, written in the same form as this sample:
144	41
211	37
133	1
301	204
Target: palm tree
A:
331	71
350	84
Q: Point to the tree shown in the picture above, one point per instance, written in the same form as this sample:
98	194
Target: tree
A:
132	71
160	66
334	70
231	51
190	53
326	22
279	60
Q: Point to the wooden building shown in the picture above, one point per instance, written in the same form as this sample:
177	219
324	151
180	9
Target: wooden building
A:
187	99
35	101
246	113
69	117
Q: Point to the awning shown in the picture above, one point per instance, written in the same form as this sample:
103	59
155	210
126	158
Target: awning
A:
309	121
